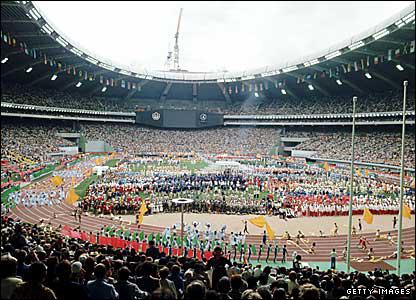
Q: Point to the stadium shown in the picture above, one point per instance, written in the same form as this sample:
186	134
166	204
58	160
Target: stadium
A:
290	181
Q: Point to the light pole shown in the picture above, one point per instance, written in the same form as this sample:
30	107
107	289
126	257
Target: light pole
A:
399	231
354	100
182	202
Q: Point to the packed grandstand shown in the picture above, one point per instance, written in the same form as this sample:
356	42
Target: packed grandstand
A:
90	174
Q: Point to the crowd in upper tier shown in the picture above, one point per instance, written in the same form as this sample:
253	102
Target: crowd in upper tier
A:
39	263
377	147
36	139
130	138
284	105
381	102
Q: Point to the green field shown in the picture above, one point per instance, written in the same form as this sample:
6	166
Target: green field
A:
82	187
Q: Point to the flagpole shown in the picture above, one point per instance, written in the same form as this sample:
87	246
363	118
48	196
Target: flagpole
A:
399	231
354	100
181	229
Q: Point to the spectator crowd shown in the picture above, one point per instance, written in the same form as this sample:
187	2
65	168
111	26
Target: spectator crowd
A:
39	263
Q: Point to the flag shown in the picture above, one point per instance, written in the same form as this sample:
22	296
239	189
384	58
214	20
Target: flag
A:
141	236
397	52
134	236
407	211
326	166
366	173
389	54
358	172
150	237
157	237
344	69
72	197
253	249
56	180
143	209
259	221
164	239
270	232
119	232
368	216
195	241
98	161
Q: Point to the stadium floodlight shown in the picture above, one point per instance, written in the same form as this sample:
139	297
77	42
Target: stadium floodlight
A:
368	75
333	54
34	13
381	34
78	84
292	68
313	62
54	76
399	67
356	45
256	94
283	91
400	23
28	70
339	82
409	18
310	87
104	89
4	60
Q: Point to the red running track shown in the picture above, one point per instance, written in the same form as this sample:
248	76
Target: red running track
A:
323	245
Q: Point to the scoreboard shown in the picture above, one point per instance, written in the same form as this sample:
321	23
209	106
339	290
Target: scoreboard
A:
174	118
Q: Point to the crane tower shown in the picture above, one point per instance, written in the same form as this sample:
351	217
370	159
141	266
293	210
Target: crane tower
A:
175	57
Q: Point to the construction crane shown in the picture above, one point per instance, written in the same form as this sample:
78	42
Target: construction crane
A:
175	49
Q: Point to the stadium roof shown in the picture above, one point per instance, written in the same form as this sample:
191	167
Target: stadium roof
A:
30	41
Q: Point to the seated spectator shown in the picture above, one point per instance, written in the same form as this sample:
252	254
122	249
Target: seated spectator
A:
126	289
99	289
9	281
165	283
195	290
146	281
33	288
65	288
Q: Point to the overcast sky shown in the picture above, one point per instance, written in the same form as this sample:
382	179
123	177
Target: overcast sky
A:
214	36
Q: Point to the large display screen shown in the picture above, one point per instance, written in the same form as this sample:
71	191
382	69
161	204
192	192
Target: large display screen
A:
171	118
180	118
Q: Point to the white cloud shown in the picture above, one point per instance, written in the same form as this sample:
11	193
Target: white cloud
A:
213	35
